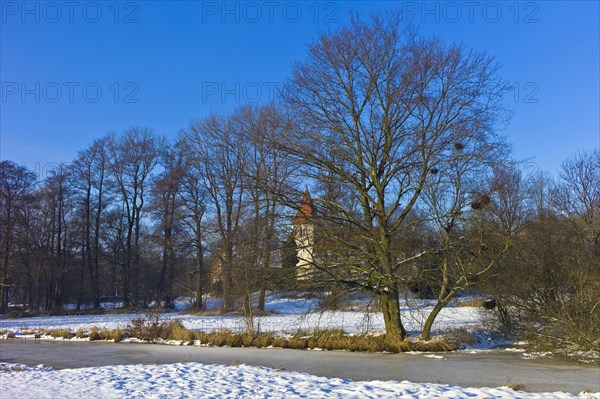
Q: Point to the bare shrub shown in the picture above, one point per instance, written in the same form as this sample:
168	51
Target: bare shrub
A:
145	327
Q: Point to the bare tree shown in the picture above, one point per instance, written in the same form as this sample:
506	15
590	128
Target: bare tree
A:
579	194
90	181
192	195
468	245
220	160
267	174
165	206
113	238
378	109
58	197
16	184
133	156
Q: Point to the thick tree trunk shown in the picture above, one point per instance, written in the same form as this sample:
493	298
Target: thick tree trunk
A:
390	306
226	264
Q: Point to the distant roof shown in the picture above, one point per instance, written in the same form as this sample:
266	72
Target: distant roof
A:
306	210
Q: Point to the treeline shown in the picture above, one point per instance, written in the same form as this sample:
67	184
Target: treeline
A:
413	189
136	219
548	282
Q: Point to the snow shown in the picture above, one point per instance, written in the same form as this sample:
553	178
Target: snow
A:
435	357
182	380
288	315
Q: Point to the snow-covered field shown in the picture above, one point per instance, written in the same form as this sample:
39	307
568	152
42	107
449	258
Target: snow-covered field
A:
288	316
195	380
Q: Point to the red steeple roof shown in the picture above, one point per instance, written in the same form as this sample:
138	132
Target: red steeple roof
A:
306	210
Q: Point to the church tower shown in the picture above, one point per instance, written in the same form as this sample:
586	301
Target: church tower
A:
303	230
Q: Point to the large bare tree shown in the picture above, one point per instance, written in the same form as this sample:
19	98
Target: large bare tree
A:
219	157
133	156
192	197
379	109
266	175
57	197
165	205
90	180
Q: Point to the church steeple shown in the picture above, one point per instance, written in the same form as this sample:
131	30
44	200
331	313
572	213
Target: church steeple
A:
303	231
306	209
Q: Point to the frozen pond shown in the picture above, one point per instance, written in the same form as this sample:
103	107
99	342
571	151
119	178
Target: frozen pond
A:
489	368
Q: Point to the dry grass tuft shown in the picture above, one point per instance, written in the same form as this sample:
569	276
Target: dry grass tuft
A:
117	335
96	334
472	303
60	333
279	342
461	337
516	387
176	331
262	341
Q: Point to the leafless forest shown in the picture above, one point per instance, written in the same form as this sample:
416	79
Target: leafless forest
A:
399	139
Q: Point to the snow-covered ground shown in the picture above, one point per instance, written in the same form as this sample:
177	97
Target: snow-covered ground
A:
183	380
288	316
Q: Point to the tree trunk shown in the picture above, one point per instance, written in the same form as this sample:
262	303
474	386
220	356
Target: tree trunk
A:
136	258
262	295
96	271
4	282
5	260
198	305
426	334
226	265
81	293
160	294
390	306
127	266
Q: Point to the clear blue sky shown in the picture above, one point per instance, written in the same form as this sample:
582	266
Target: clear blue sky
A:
71	73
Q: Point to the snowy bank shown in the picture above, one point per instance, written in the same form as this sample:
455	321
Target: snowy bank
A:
182	380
